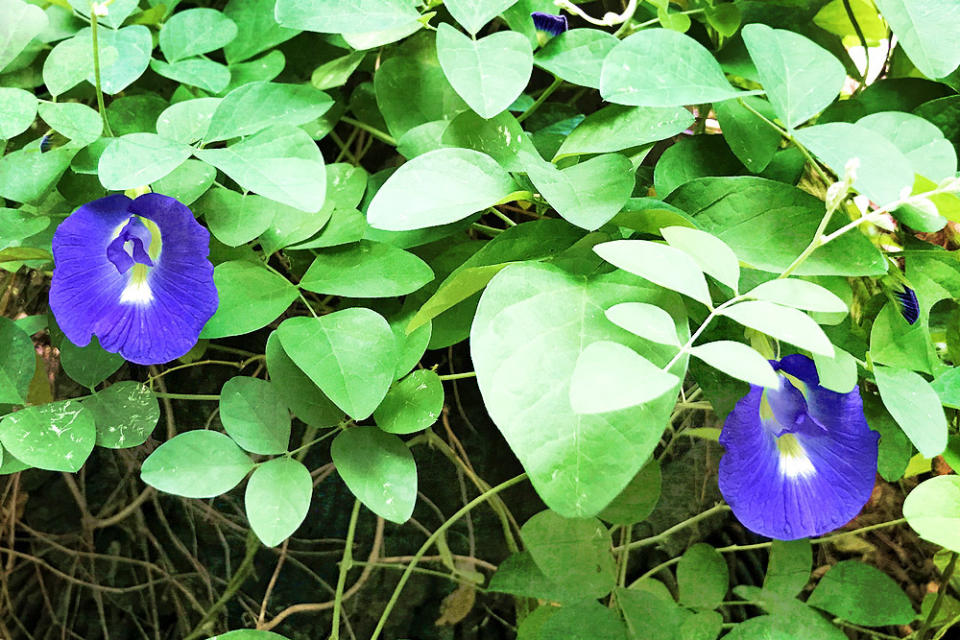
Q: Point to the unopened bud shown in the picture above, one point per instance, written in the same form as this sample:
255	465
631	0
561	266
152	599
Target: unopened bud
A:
850	170
835	194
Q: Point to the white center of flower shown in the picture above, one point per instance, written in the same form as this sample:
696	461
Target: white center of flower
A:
793	461
137	290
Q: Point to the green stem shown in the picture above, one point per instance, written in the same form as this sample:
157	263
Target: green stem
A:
96	71
345	565
546	93
186	396
502	216
493	231
231	589
944	585
663	535
863	43
376	133
432	540
459	376
789	136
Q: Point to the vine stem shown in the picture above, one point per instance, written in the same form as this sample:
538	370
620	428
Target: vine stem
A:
944	585
96	70
432	540
663	535
253	543
345	565
789	136
546	93
376	133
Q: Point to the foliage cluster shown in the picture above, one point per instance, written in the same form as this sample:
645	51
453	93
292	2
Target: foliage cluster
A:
623	223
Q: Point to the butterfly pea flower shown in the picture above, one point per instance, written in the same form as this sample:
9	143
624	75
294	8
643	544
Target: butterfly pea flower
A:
134	273
548	25
909	305
800	460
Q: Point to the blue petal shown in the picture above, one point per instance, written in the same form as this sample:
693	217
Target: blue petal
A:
149	314
909	305
819	488
549	23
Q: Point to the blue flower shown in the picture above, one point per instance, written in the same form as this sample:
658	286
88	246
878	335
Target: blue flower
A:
136	274
800	460
549	24
909	305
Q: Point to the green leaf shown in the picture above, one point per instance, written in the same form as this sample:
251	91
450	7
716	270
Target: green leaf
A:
373	39
658	263
379	470
18	108
301	395
17	363
489	73
259	105
281	163
116	13
197	72
461	181
187	182
638	499
125	413
577	56
745	211
838	373
26	175
277	499
709	252
645	320
124	56
233	218
195	31
257	30
915	406
500	137
20	23
833	17
196	464
89	365
344	16
799	294
609	377
752	140
583	621
587	194
929	152
137	159
18	224
248	634
264	69
738	360
575	551
520	575
76	121
474	14
862	594
572	459
336	72
412	404
925	29
291	225
412	90
19	254
642	70
883	173
702	578
615	127
800	77
366	270
350	354
932	510
788	570
782	323
344	227
254	415
57	436
250	298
